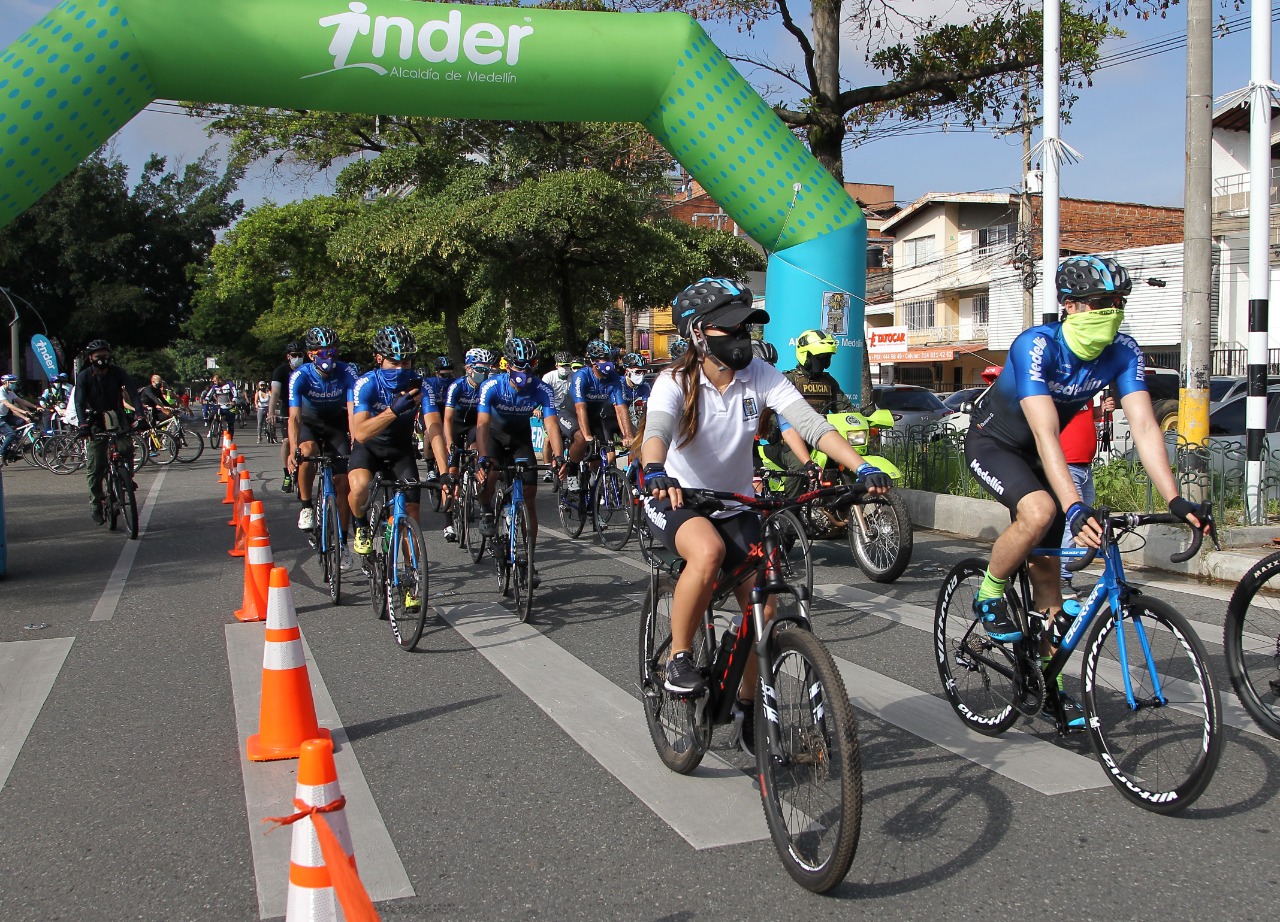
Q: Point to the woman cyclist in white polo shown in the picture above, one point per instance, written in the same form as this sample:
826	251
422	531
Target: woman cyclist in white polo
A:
702	419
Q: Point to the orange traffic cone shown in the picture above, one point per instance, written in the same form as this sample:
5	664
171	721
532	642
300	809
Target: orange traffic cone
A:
233	480
257	574
322	862
244	505
288	713
243	479
222	459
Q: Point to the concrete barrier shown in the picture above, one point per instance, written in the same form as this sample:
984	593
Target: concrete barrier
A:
985	519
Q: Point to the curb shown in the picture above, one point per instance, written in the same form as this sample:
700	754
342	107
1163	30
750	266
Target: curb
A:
985	519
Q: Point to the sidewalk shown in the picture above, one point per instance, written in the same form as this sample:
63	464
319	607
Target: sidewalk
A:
984	519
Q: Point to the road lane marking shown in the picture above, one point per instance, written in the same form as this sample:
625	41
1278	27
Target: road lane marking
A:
921	618
269	786
717	805
28	669
106	608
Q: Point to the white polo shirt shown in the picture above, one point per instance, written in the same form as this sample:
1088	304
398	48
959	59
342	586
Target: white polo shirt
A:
721	456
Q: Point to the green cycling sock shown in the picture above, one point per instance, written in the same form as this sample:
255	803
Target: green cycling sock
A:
1044	661
991	587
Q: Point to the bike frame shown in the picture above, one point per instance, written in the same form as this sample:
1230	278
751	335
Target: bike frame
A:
326	490
399	512
514	496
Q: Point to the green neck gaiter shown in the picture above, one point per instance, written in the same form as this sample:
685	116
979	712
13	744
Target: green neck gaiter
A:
1088	333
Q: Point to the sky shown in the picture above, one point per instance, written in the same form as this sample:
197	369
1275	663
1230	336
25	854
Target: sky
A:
1128	126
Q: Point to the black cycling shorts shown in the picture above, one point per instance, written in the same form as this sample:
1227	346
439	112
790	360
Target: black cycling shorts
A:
739	532
461	438
604	426
1009	475
509	447
330	431
375	457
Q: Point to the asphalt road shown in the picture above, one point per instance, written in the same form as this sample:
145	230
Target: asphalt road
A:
504	783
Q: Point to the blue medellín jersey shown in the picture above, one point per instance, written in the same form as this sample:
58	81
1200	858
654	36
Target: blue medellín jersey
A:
509	408
585	387
310	390
373	396
1040	363
465	400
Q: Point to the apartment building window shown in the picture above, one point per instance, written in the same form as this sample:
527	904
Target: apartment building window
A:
918	314
917	251
990	238
981	310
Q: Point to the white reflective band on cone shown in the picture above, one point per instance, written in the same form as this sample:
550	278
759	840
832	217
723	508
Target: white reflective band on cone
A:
282	655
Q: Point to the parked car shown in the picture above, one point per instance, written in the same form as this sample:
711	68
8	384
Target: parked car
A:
910	405
1223	387
1163	384
955	402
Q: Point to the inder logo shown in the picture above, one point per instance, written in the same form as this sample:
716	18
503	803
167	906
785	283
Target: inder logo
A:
361	41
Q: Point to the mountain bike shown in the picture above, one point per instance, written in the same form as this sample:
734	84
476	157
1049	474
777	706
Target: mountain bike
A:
1150	705
189	442
118	496
512	541
160	445
396	567
1251	643
806	741
29	444
326	536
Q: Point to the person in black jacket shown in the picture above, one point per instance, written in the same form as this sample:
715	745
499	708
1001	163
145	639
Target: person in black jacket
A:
101	391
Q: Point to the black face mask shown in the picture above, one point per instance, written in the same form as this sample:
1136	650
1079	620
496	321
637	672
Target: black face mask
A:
816	364
101	361
734	350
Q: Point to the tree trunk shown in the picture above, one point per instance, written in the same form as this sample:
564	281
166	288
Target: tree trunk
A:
564	309
826	139
450	309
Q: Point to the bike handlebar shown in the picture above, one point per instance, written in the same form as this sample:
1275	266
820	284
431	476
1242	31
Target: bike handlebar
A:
713	500
1129	520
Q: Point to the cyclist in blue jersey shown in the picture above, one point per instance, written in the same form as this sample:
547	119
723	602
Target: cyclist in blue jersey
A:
503	436
438	384
599	407
387	401
461	405
321	394
1013	447
635	390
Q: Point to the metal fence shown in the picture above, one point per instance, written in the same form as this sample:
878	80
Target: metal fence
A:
931	458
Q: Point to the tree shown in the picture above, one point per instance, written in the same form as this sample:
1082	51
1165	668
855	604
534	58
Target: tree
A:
100	259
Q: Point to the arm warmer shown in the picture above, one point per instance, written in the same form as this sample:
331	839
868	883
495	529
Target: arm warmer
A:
805	420
661	426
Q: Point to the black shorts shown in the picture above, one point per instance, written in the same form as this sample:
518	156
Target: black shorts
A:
374	458
739	532
328	431
1009	475
603	426
509	447
462	437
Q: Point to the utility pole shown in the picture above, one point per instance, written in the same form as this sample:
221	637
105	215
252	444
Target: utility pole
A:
1024	209
1193	405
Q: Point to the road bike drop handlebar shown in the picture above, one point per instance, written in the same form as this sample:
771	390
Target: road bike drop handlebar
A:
1124	522
714	500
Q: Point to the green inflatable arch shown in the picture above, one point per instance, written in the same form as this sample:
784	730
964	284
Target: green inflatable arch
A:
90	66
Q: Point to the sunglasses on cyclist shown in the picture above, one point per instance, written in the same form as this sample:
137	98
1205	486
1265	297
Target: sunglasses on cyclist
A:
1106	303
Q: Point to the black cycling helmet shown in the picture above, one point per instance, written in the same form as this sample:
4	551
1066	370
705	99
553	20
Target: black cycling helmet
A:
321	338
633	360
293	347
394	341
1083	278
677	346
97	345
720	301
563	358
520	352
444	363
763	350
599	351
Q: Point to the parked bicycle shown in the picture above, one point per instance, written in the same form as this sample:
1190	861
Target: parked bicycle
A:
806	741
1150	704
396	567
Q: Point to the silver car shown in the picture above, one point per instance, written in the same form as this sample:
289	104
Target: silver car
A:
910	405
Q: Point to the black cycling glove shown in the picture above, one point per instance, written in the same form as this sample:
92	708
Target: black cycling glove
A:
812	471
873	477
1077	515
1182	507
656	478
404	405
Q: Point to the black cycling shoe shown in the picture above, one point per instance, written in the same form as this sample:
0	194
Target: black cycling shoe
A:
994	615
683	677
1072	712
286	485
488	524
96	514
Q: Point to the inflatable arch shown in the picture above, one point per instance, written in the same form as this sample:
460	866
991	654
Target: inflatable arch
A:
88	67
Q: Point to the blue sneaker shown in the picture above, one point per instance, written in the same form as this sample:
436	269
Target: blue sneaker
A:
994	614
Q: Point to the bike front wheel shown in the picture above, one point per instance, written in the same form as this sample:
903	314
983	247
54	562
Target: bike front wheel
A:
1160	739
331	545
573	508
521	578
811	784
795	552
64	454
882	542
978	674
680	737
407	583
470	534
1251	643
614	508
127	500
190	444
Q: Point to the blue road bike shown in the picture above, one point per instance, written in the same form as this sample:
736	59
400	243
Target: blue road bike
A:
396	567
512	543
327	537
601	494
1151	709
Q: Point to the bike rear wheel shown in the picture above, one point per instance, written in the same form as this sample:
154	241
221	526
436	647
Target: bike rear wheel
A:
141	450
1251	643
164	445
470	503
520	578
407	583
64	454
1162	753
331	545
126	499
977	673
812	787
680	739
502	549
190	444
885	550
375	562
614	509
573	507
